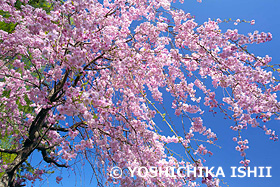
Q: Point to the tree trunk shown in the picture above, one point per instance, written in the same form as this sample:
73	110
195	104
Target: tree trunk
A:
30	144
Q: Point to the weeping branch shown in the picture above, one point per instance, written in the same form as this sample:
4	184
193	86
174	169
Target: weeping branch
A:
49	159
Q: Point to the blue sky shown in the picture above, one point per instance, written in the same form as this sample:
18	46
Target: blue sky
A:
262	151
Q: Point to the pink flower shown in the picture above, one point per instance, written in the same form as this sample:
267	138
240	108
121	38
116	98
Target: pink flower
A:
58	179
252	22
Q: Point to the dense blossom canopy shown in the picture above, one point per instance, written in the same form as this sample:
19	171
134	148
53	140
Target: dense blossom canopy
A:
87	79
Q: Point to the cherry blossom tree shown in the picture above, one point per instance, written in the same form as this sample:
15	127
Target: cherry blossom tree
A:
87	79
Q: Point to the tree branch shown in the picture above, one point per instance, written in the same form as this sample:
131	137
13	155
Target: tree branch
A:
48	159
62	129
8	151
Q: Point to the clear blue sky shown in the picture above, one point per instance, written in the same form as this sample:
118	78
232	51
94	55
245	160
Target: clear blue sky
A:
262	151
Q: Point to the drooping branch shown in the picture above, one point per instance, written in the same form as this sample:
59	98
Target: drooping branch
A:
49	159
